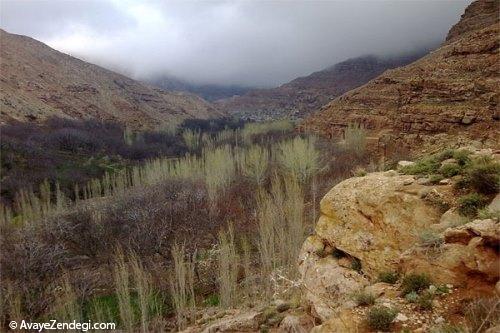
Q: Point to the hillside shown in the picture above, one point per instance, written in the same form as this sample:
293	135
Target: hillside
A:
303	95
453	91
37	82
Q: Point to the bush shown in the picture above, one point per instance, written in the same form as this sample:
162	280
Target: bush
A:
424	166
388	277
484	176
415	282
483	313
381	317
364	298
411	297
430	239
424	301
469	204
448	328
435	179
486	213
450	170
462	157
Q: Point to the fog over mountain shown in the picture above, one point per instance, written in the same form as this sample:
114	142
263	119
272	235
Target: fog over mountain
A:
229	42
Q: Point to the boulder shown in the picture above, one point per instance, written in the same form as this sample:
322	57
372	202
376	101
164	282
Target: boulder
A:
377	217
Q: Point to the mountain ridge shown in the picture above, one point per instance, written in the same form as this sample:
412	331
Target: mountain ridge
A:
451	93
306	94
38	82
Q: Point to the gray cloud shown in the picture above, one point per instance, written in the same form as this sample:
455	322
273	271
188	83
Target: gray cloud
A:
262	43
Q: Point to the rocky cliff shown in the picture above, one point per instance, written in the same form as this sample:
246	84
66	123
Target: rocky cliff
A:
393	223
304	95
37	82
453	91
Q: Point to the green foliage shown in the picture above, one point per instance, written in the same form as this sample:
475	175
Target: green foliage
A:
425	166
363	298
424	301
415	282
388	277
450	169
411	297
429	238
486	213
462	157
212	300
469	204
381	317
435	179
483	176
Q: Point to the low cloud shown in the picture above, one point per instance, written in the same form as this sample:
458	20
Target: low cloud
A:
252	43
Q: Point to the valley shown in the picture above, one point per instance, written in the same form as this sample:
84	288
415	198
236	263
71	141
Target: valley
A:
361	198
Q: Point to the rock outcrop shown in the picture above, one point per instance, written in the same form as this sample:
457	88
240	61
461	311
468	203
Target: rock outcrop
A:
392	222
450	93
304	95
37	82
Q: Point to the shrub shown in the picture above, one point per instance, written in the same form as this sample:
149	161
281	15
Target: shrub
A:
435	179
462	157
299	157
364	298
411	297
450	170
415	282
430	239
424	301
486	213
482	314
355	139
359	172
424	166
388	277
381	317
484	176
469	204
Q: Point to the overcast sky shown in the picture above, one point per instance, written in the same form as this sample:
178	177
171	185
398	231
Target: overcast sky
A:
256	43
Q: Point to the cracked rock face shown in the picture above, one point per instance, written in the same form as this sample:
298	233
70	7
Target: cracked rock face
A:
375	224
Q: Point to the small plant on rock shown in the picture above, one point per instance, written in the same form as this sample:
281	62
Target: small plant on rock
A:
411	297
364	298
388	277
450	170
381	318
415	282
484	176
469	204
424	301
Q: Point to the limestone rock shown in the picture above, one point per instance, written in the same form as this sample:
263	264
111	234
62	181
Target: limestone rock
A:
242	321
292	324
375	218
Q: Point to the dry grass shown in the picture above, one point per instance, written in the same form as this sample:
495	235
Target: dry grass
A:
253	163
182	287
299	157
355	139
228	264
122	289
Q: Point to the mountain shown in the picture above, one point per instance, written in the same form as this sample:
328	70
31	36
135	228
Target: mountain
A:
210	92
37	82
303	95
452	92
